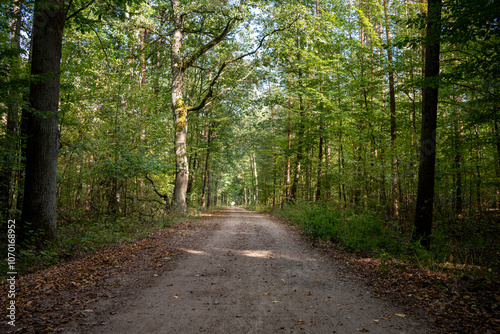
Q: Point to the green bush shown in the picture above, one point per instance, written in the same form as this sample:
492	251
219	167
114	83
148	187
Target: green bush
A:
465	242
354	231
82	236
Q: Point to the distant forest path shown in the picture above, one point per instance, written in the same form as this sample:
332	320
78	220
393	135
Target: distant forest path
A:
251	275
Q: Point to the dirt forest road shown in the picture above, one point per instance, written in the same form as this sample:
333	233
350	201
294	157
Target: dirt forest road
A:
253	275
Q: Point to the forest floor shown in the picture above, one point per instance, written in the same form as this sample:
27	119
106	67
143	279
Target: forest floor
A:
237	271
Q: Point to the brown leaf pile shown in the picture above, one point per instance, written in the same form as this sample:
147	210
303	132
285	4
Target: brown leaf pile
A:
46	301
454	304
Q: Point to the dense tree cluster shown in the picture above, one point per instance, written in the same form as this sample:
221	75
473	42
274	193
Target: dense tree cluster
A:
127	109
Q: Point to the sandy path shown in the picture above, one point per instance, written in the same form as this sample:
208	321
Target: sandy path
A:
254	276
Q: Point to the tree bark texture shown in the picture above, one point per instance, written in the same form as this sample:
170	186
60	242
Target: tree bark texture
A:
180	114
425	192
180	64
39	205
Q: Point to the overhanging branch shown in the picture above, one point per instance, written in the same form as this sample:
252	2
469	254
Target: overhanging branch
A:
165	197
201	51
209	93
79	10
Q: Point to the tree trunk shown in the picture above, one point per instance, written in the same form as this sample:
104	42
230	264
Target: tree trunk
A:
478	169
194	168
40	188
341	165
497	163
245	195
298	159
328	187
392	103
275	172
320	164
425	192
206	171
180	114
9	140
457	168
256	193
286	188
216	192
209	192
300	134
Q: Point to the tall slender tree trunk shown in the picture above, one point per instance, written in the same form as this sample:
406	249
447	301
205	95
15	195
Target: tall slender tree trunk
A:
194	168
180	112
216	192
209	190
298	158
457	167
392	104
205	199
497	163
320	164
341	165
300	134
254	166
425	192
286	188
275	175
245	195
10	137
478	169
328	186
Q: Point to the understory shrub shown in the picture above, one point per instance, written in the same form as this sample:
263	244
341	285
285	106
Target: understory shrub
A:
354	231
464	247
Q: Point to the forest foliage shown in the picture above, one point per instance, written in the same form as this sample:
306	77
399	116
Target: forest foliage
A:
311	108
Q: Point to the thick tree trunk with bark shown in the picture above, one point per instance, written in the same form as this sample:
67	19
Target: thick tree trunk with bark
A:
39	206
180	64
180	114
425	193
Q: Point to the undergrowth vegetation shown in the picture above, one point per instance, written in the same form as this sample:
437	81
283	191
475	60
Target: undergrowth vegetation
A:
467	247
76	237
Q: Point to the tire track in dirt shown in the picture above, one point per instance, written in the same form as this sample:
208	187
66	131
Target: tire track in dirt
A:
254	275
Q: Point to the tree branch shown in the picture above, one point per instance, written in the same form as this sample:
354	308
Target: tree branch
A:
201	51
227	89
209	93
165	197
79	10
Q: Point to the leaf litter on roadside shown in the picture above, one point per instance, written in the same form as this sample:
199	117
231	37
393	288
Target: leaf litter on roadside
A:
47	300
